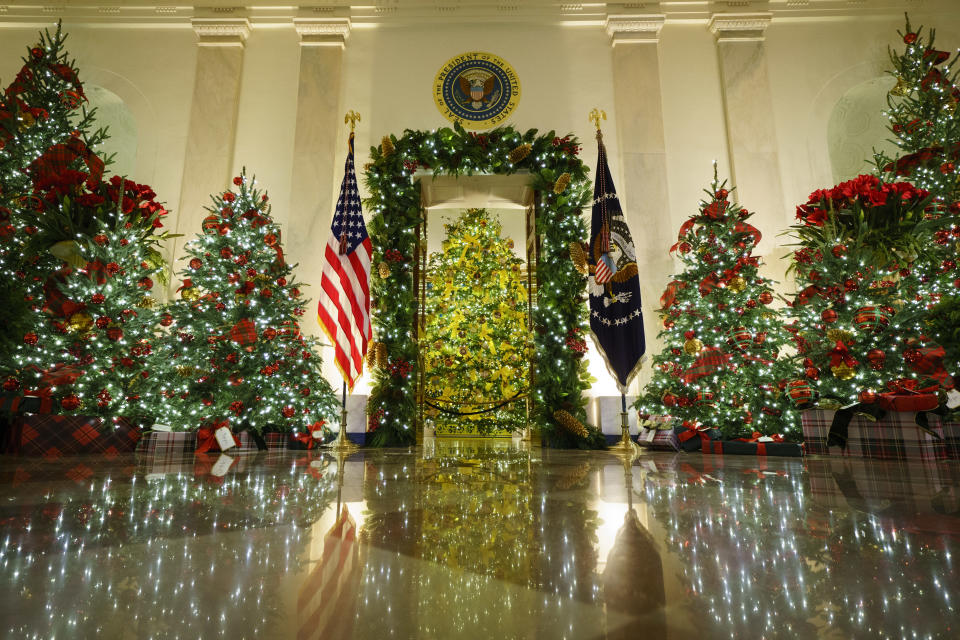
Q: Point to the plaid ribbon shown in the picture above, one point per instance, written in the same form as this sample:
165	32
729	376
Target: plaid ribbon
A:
711	360
59	157
244	332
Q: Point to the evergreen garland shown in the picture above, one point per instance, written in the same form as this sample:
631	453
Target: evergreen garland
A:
394	201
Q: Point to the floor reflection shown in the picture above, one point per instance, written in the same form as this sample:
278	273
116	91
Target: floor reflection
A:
476	539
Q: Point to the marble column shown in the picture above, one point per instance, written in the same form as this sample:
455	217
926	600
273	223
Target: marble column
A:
643	159
317	160
213	122
748	109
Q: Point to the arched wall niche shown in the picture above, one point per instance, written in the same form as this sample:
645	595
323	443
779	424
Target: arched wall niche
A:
857	127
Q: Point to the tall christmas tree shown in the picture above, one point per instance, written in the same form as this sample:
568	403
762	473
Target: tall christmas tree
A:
859	315
235	352
478	345
721	363
42	107
925	125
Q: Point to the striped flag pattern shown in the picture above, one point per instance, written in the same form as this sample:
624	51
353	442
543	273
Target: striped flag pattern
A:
325	604
344	308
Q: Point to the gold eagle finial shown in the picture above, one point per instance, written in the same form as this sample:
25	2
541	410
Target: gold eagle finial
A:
353	118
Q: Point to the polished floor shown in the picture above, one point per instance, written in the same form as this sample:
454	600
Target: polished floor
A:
477	539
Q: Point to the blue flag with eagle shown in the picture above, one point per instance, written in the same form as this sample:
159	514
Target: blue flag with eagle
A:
614	283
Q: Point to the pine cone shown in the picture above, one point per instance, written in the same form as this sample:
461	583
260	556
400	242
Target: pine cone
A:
571	424
384	270
520	153
382	358
579	257
372	354
571	478
386	146
562	183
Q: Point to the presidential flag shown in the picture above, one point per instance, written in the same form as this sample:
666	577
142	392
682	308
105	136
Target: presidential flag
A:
615	317
344	307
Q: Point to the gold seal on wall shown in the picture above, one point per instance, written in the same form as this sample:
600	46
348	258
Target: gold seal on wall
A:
477	89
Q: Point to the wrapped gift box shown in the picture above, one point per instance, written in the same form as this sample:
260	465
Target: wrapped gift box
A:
740	448
167	443
895	436
54	436
656	432
692	439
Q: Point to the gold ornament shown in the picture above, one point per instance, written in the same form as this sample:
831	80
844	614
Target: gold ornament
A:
146	302
692	346
384	270
737	284
190	294
900	89
562	183
579	258
79	322
386	146
69	252
843	371
26	120
520	153
571	424
833	335
185	372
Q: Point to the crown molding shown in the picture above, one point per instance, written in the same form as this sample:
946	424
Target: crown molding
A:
221	32
322	32
625	29
733	27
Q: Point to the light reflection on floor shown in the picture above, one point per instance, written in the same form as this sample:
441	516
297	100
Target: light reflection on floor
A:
477	539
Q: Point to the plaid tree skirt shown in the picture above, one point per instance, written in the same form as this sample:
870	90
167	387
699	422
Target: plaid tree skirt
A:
895	436
55	436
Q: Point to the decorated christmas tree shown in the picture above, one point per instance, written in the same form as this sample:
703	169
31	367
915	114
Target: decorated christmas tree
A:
42	107
477	353
859	314
721	364
234	353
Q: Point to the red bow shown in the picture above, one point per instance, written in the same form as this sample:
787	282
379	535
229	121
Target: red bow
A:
707	284
691	429
839	354
305	438
207	439
669	296
684	228
743	227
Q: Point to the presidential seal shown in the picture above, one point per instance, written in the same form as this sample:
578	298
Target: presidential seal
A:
477	89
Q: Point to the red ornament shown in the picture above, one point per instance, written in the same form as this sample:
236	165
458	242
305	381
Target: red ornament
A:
305	391
224	229
871	319
221	306
103	322
114	333
947	167
11	384
238	180
210	224
97	298
765	298
70	402
36	52
236	407
910	38
668	323
669	400
145	283
112	268
266	292
800	392
288	412
751	304
828	315
281	281
196	263
31	338
722	194
812	372
269	333
166	320
104	398
690	334
295	293
251	273
100	239
229	197
241	260
226	253
876	357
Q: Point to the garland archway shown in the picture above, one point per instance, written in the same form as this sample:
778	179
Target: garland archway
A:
559	180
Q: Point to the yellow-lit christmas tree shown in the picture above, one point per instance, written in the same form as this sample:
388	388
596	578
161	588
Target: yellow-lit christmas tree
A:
478	344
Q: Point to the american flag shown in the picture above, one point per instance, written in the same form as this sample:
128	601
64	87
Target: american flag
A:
326	605
344	308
